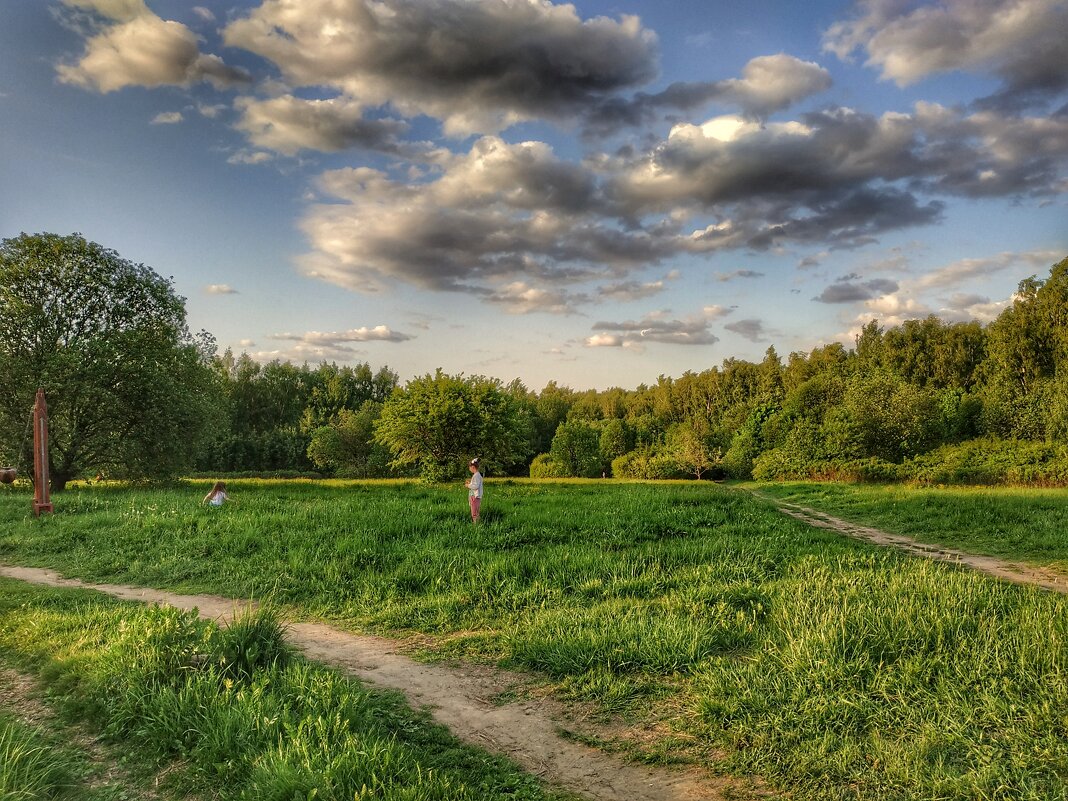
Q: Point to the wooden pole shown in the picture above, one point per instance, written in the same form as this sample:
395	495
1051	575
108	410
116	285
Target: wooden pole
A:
42	500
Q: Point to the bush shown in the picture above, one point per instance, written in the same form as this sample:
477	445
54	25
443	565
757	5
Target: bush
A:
543	466
648	463
992	461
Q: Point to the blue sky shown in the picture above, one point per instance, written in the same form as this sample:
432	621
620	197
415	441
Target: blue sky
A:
597	193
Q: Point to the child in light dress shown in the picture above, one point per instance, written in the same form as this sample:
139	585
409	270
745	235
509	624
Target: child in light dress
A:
218	495
474	489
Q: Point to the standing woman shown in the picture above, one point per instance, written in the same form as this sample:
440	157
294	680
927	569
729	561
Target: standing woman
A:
474	489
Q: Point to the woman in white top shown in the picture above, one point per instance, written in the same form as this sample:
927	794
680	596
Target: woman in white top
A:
474	489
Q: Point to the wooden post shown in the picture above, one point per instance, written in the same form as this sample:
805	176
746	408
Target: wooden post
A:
42	500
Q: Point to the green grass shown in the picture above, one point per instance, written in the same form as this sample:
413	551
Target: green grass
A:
231	714
834	669
32	767
1024	524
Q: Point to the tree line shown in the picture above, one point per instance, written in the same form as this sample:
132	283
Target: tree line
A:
134	394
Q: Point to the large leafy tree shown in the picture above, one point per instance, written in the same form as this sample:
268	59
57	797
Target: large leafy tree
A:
440	421
129	388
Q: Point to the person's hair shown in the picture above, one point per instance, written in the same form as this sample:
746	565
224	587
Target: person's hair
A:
474	461
220	486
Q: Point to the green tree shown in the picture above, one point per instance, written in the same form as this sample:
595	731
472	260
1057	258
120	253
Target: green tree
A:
576	449
438	422
129	389
347	447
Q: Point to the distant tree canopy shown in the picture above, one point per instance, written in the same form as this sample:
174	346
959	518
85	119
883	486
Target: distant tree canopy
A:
129	389
134	394
898	400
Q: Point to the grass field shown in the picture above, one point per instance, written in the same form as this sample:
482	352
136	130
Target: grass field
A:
1025	524
831	668
222	714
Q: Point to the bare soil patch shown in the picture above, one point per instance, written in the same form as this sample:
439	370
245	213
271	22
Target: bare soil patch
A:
466	699
1016	572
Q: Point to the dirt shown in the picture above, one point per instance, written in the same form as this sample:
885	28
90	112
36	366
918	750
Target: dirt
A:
466	699
1016	572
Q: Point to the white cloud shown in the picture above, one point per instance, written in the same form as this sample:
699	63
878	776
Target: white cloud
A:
288	124
137	48
1020	41
963	271
167	118
205	14
220	289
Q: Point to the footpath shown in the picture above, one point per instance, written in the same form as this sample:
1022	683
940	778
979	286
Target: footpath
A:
532	733
1016	572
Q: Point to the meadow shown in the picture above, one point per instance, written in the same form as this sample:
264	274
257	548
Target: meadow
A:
830	668
1011	522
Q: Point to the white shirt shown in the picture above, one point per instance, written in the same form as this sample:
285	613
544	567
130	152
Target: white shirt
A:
474	486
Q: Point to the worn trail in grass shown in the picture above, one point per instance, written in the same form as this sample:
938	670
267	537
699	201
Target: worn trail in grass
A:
1016	572
461	699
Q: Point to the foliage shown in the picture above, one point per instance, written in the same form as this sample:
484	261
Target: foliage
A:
31	767
439	422
128	387
576	450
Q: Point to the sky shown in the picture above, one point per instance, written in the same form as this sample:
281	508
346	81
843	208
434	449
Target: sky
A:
596	193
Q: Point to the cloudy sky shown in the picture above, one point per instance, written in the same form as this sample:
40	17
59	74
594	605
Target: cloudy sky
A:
596	193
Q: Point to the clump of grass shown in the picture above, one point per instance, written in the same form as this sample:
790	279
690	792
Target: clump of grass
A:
32	768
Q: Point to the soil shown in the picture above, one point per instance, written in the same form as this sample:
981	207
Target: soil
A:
536	733
1016	572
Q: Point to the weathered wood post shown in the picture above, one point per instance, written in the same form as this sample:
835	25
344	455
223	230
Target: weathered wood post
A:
42	500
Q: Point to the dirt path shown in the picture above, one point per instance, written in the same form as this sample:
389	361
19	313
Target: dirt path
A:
1016	572
461	698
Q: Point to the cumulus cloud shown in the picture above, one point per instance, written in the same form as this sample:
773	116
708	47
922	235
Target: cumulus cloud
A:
724	277
520	297
1019	41
131	46
288	124
751	329
220	289
502	213
167	118
655	327
478	65
847	290
768	84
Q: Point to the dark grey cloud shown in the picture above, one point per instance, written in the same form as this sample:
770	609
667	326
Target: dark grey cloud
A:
692	330
478	65
724	277
625	291
768	84
751	329
288	124
848	290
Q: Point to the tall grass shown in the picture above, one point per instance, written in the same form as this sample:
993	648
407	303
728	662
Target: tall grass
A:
1014	523
266	726
32	768
828	666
